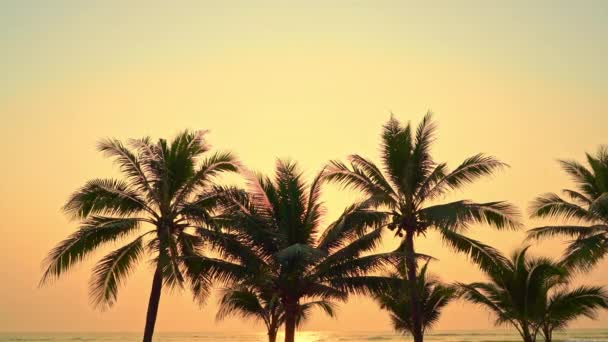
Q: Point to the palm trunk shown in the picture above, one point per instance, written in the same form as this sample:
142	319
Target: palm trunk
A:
272	335
290	320
548	333
527	336
410	261
157	284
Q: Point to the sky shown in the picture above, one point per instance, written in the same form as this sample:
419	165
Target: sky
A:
309	81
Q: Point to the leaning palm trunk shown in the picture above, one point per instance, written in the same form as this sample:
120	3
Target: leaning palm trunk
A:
410	260
153	304
167	189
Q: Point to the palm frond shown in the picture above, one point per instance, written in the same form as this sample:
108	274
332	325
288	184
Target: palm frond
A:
242	302
105	197
372	173
353	249
111	271
396	150
585	252
552	206
353	222
469	171
460	214
397	299
577	197
361	285
356	178
169	262
485	295
94	232
355	267
128	162
328	307
566	231
567	305
486	257
314	208
583	177
211	167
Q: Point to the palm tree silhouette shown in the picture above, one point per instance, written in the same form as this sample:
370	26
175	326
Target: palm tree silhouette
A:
412	180
272	235
167	189
397	299
530	294
588	206
563	306
265	305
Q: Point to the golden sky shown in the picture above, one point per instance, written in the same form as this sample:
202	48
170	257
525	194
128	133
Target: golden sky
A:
306	80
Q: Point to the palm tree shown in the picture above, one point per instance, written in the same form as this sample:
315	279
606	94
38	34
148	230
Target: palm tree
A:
406	193
516	291
588	206
564	306
434	296
273	238
265	305
531	294
166	188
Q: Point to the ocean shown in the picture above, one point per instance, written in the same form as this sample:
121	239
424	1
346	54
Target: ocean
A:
587	335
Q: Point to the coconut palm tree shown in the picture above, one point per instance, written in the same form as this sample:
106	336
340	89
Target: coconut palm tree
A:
434	296
273	237
167	189
516	291
531	294
587	206
265	305
407	190
564	306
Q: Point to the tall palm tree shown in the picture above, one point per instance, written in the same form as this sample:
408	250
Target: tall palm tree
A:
167	189
587	206
274	239
434	296
407	190
531	295
265	305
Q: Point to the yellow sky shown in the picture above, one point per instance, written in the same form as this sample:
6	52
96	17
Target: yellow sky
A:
300	80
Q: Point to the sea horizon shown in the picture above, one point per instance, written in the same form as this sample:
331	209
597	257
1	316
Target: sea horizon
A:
448	335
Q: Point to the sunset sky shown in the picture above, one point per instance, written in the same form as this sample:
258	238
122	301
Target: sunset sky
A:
305	80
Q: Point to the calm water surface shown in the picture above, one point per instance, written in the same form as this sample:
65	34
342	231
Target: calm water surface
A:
598	335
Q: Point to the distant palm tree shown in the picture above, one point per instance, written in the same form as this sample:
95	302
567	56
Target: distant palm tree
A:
397	299
588	206
411	183
266	306
166	188
564	306
530	295
274	238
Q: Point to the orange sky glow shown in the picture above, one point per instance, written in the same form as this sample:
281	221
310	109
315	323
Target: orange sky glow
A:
305	80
